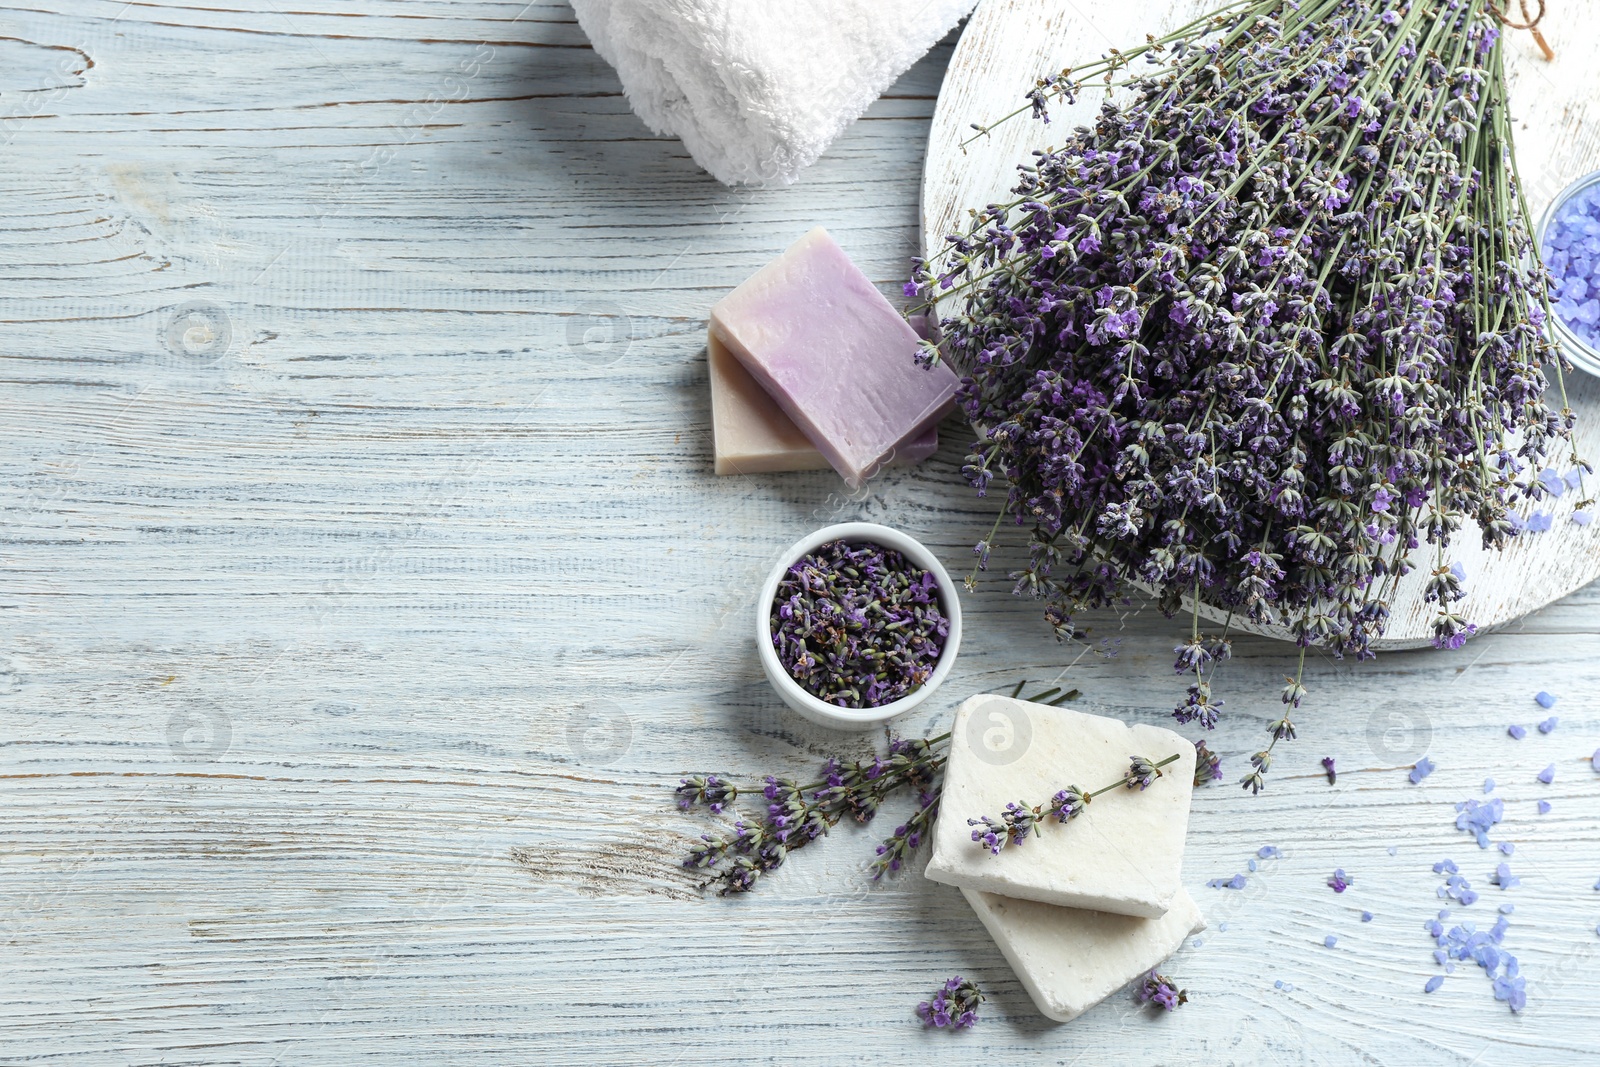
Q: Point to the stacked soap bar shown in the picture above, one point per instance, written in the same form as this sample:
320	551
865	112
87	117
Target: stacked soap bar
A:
1079	908
835	357
752	435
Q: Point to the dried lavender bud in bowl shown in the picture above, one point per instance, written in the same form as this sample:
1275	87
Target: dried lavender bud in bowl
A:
856	624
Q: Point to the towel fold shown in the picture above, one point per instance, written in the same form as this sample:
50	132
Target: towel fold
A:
758	89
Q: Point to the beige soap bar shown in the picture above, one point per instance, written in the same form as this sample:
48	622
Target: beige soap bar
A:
752	435
1124	854
1069	960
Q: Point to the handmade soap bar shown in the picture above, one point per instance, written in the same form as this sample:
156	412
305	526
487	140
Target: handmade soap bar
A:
1121	855
1069	959
835	355
752	435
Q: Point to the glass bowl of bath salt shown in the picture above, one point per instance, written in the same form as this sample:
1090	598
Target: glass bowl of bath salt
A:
1569	243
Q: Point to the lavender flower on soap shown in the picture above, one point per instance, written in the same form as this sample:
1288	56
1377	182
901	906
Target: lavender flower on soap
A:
1014	825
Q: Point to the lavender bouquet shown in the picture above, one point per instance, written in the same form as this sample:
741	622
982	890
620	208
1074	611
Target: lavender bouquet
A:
1267	329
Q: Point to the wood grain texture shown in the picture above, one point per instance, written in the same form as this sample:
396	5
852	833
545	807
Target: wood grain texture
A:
346	667
1007	44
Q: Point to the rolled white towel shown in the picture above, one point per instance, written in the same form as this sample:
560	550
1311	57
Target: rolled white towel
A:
758	89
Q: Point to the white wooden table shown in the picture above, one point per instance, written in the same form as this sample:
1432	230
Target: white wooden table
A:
359	618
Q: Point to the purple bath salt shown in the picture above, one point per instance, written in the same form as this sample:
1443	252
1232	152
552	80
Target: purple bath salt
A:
1571	250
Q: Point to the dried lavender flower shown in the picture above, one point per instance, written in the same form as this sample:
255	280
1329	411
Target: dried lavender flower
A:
708	790
857	624
1267	332
1327	765
954	1005
1207	765
1157	989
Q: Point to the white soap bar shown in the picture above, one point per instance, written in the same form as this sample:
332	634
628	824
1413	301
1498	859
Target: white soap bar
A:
1123	854
1069	959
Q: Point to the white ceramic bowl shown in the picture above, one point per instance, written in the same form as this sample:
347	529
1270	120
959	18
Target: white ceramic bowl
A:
820	711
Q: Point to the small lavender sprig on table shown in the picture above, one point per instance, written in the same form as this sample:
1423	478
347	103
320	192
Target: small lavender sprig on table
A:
797	815
1207	765
954	1006
1158	989
1019	820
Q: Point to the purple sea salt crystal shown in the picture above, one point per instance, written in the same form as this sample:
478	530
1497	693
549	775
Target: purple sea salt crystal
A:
1269	852
1236	882
1339	882
1477	818
1504	878
1552	482
1330	941
1548	725
1433	984
1488	785
1366	916
1548	775
1423	768
1582	517
1517	732
1544	807
1507	847
1539	522
1594	761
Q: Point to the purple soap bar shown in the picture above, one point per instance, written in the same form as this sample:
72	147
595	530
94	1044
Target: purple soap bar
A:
835	355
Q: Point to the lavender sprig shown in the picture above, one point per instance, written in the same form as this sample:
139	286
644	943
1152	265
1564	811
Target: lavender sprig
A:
1018	820
796	815
1207	765
954	1005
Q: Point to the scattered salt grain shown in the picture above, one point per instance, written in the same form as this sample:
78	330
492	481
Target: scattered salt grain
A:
1539	522
1582	518
1507	909
1393	849
1507	847
1198	942
1594	761
1504	878
1544	700
1553	483
1236	882
1478	817
1488	785
1433	983
1548	725
1222	927
1330	941
1269	852
1424	767
1544	807
1446	865
1517	732
1366	916
1548	775
1339	882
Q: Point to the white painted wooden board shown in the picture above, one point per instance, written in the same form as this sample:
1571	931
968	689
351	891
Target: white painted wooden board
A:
347	669
1008	44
